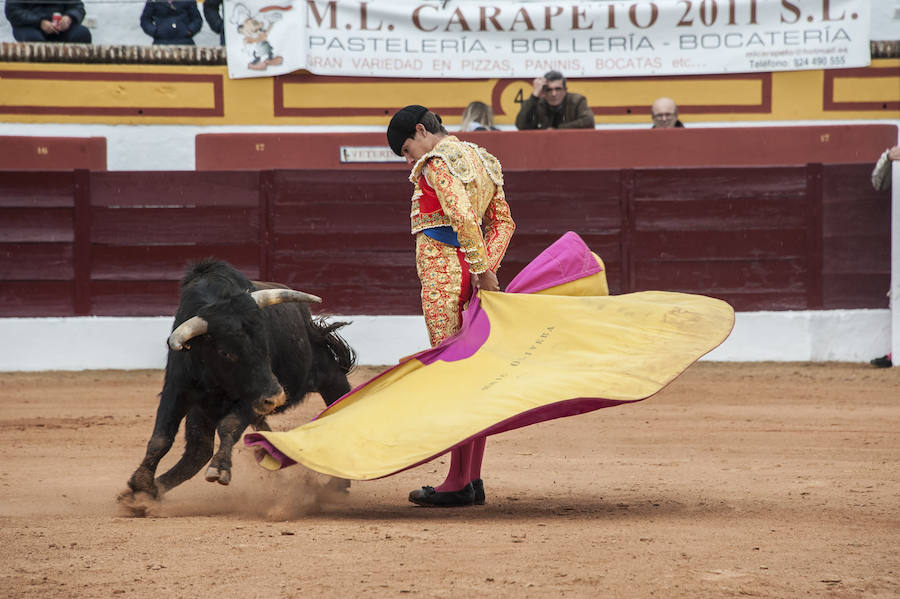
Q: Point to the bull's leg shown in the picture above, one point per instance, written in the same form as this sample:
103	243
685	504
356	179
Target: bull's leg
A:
230	430
333	387
168	417
199	434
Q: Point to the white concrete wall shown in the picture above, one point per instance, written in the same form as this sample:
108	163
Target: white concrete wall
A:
117	22
33	344
99	342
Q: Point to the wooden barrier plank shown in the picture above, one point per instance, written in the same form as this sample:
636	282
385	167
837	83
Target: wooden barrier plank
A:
176	226
368	218
747	244
46	225
718	215
20	189
740	280
357	300
847	290
713	273
36	298
547	204
36	261
24	153
124	189
339	185
720	184
588	202
858	253
857	239
166	262
134	298
345	236
759	300
354	279
328	243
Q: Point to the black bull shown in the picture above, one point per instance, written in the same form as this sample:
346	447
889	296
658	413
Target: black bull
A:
239	350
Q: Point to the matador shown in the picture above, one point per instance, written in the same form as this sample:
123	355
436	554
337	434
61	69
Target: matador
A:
462	227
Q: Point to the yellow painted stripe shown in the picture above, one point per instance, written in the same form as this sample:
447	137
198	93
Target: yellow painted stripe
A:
795	96
866	89
106	94
363	94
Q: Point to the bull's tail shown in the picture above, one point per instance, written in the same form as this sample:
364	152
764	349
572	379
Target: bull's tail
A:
325	334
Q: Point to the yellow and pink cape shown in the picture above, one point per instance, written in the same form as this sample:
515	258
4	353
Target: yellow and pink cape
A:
555	344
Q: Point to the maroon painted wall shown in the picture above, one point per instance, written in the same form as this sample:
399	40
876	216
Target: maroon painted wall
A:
24	153
116	243
571	149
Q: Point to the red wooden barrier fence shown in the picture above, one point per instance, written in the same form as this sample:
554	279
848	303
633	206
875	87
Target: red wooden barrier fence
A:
570	149
116	243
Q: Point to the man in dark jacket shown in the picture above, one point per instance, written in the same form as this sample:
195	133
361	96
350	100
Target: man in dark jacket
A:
212	12
171	21
47	21
551	106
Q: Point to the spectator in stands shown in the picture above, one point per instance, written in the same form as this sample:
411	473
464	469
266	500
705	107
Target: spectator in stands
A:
212	12
664	113
881	181
477	116
881	175
171	21
47	21
551	106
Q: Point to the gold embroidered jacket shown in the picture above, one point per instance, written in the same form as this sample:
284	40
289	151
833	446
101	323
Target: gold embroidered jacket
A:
468	182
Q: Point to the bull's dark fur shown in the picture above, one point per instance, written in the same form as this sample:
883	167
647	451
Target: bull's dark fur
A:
248	354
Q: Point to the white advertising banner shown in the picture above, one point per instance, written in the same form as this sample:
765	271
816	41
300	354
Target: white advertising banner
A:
507	39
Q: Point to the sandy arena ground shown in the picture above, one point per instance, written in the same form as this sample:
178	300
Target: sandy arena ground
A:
766	480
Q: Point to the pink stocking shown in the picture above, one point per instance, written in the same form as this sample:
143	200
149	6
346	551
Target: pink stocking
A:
465	466
458	477
477	457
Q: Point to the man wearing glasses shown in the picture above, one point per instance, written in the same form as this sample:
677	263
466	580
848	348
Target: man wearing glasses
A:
664	113
551	106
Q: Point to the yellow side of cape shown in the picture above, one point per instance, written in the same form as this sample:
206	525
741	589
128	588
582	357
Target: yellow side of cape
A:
542	350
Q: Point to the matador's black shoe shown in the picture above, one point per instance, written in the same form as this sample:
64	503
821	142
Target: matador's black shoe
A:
882	362
428	497
478	486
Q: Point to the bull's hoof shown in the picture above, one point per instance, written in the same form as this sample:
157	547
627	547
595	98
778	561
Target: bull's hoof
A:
137	504
142	482
213	474
338	485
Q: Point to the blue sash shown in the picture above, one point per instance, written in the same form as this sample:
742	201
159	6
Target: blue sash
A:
444	234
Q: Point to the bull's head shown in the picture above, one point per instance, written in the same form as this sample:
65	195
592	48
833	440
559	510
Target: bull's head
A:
197	325
235	352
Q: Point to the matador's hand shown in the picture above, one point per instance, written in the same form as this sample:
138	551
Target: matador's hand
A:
486	280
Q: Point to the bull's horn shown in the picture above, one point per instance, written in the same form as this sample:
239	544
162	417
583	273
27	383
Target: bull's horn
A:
269	297
187	330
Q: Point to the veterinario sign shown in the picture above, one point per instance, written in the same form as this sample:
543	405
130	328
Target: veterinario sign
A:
475	39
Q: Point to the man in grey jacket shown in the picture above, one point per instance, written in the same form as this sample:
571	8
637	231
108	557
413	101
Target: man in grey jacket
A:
552	106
